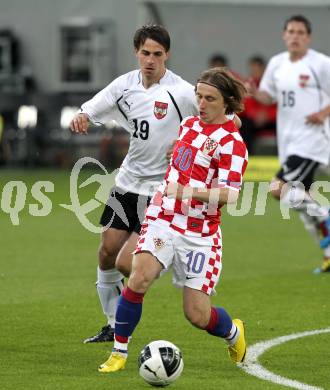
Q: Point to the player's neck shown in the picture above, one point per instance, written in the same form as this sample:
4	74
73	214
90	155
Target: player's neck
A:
296	56
219	120
148	82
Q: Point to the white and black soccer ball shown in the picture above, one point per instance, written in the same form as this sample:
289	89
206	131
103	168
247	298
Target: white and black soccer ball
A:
160	363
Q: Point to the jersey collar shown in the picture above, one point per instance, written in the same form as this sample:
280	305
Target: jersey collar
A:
160	82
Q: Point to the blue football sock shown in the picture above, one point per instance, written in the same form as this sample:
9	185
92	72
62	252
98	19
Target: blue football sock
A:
128	313
220	323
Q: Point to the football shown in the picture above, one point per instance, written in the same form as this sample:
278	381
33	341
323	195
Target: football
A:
160	363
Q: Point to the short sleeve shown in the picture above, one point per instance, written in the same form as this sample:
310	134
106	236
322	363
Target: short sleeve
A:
102	108
267	83
325	76
189	102
233	159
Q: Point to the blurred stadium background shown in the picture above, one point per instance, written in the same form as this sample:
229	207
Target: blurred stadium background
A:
55	54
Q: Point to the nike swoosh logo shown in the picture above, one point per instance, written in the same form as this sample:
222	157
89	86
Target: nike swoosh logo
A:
191	277
122	323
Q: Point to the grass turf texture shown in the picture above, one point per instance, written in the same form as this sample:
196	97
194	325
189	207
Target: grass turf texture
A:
48	302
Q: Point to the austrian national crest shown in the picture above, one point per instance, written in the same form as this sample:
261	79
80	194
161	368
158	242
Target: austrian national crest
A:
159	243
160	110
303	79
209	145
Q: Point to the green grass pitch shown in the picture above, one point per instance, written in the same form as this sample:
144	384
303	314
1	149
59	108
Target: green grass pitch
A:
48	302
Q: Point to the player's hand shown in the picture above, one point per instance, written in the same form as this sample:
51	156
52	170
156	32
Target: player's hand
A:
169	152
317	118
80	123
251	87
178	191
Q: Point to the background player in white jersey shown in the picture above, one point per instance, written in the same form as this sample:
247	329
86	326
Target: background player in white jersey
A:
299	81
149	103
182	222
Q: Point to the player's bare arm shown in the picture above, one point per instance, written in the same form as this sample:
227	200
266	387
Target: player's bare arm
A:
261	96
80	123
220	196
318	118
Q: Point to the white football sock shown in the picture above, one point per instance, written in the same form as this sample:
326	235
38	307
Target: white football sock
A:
122	347
298	199
326	252
233	335
109	286
310	224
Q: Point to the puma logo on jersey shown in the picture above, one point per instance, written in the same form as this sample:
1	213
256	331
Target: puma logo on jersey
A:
160	110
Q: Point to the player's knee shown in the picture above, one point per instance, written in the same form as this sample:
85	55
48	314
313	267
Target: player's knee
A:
276	193
276	188
107	256
140	280
196	316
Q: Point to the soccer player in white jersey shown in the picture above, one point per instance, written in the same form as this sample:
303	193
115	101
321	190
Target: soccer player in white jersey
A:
181	228
149	103
299	81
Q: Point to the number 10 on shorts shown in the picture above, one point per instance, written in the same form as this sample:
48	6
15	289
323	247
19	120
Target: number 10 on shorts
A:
195	262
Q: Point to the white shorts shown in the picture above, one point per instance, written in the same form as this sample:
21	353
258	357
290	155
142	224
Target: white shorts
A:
196	261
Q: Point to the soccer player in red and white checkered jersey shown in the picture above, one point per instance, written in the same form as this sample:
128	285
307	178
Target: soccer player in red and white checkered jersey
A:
181	228
149	103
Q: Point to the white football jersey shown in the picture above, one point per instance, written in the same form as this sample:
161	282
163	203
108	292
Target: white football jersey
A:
152	117
300	88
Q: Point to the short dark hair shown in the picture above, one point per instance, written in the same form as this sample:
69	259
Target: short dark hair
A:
155	32
232	89
300	19
257	59
218	58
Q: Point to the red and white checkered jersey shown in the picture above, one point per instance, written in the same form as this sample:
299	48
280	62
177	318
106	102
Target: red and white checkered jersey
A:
205	156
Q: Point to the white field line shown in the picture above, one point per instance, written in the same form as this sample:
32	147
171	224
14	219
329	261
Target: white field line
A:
252	367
